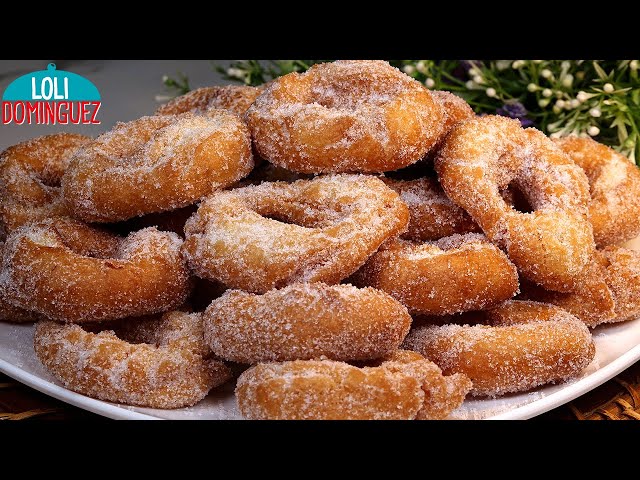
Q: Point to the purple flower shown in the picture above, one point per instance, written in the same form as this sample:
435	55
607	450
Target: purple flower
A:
514	109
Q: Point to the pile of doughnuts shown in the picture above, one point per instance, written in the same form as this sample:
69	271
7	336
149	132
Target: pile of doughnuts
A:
342	243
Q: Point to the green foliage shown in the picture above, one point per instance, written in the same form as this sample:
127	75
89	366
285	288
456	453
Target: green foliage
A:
560	97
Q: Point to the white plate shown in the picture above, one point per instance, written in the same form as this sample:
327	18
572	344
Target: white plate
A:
617	347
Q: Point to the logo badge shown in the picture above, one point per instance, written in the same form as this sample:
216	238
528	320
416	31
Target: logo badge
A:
51	97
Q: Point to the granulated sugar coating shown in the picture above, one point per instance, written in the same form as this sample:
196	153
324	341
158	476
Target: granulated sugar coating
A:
401	388
592	302
431	214
454	274
156	164
481	156
9	313
455	110
179	329
528	344
615	189
345	116
166	375
48	271
234	98
30	175
623	278
267	236
305	321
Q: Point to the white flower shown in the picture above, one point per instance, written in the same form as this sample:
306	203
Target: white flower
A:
236	73
478	79
565	65
473	71
470	84
567	81
595	112
560	103
408	69
517	64
593	130
583	96
503	64
546	73
165	78
429	83
547	92
421	67
491	92
543	102
608	88
634	65
574	103
538	61
532	87
556	109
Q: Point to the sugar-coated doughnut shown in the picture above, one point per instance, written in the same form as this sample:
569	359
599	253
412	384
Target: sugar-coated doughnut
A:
609	294
455	110
155	164
235	98
345	116
403	387
454	274
553	244
169	373
615	189
267	236
30	176
9	313
305	321
75	273
431	214
525	344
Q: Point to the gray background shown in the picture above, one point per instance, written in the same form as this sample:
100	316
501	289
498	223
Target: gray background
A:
128	89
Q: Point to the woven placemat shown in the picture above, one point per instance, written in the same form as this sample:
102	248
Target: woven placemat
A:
617	399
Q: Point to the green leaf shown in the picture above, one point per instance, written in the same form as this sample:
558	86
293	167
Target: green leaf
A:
599	71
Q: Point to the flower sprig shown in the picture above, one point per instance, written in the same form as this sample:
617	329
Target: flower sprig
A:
600	99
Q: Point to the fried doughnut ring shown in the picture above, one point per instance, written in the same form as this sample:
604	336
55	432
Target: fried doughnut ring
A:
75	273
234	98
526	344
9	313
455	110
454	274
345	116
402	387
623	278
30	175
173	373
305	321
178	328
155	164
431	214
243	237
552	245
610	294
615	189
